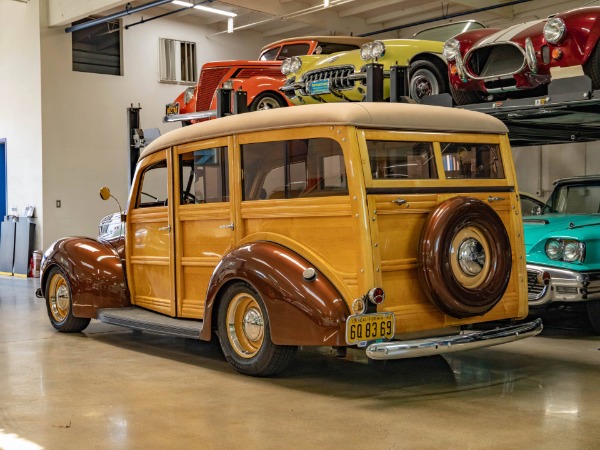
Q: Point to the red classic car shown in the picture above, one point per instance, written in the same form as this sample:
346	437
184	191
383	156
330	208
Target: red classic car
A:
492	64
261	79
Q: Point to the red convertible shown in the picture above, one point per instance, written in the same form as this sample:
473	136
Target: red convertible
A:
491	64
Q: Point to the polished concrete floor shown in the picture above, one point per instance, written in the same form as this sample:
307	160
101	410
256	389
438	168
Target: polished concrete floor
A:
111	388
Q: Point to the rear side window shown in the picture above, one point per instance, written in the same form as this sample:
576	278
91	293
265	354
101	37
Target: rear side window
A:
464	160
397	160
293	169
204	176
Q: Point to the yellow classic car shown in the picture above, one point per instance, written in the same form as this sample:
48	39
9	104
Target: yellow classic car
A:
394	229
342	76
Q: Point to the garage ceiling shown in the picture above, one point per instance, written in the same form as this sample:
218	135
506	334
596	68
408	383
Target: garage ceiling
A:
276	19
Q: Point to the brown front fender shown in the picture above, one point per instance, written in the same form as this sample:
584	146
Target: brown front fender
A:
94	270
301	312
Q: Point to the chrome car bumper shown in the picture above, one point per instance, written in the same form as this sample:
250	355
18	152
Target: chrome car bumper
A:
446	344
549	284
191	116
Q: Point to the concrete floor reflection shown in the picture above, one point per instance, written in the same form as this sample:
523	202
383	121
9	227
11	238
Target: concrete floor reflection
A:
113	388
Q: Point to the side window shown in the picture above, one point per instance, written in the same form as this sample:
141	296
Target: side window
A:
293	169
269	55
204	176
153	186
397	160
464	160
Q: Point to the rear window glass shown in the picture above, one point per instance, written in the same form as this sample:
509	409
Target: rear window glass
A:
327	48
287	51
293	169
269	55
401	160
463	160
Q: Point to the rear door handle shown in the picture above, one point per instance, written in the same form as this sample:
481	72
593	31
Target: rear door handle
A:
167	228
228	226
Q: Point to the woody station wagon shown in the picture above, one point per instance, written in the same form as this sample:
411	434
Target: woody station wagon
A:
391	228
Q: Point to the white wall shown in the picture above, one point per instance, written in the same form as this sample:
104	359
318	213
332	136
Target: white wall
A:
85	133
538	166
20	100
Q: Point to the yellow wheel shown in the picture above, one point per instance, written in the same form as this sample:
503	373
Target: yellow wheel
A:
243	328
59	303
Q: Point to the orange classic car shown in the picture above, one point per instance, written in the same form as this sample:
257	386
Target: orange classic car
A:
261	79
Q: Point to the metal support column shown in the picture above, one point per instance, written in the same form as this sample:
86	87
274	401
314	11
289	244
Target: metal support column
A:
374	82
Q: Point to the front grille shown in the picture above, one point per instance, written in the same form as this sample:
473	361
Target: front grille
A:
496	60
535	290
209	81
338	77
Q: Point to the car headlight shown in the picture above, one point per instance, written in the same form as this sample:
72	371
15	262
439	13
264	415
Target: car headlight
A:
285	66
372	50
554	30
574	251
295	64
189	94
554	249
568	250
451	49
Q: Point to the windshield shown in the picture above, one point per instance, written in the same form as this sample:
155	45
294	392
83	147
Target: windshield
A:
574	199
444	32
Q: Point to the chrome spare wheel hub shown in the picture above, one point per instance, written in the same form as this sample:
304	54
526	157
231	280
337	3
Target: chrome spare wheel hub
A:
471	257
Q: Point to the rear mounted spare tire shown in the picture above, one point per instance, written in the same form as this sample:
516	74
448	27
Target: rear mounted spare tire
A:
464	257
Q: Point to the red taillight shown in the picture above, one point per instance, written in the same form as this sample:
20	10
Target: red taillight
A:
376	296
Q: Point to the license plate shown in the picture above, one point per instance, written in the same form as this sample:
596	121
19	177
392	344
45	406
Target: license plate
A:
172	109
369	327
319	87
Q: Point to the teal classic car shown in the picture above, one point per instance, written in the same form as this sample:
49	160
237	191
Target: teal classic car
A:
563	248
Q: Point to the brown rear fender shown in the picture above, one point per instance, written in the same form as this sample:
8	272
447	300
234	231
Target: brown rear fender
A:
301	312
94	270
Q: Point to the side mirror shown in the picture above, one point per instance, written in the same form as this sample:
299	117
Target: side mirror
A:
104	193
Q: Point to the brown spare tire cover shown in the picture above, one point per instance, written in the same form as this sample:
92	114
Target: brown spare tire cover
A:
464	257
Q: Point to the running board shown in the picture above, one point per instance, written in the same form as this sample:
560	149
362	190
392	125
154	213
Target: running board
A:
142	319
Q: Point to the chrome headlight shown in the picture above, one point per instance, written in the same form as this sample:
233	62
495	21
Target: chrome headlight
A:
285	66
574	251
372	50
568	250
295	64
189	94
451	49
554	30
554	249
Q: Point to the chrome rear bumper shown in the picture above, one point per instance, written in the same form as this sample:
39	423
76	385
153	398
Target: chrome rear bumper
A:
465	341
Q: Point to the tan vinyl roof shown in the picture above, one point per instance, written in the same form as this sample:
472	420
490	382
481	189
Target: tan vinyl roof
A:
331	39
389	116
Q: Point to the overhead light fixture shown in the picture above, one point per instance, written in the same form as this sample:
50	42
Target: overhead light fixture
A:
325	3
230	25
180	3
215	11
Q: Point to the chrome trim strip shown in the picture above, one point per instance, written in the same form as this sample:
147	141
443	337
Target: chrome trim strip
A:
191	116
447	344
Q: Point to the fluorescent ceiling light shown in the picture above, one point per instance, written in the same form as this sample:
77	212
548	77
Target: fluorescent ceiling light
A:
230	25
180	3
214	10
325	3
